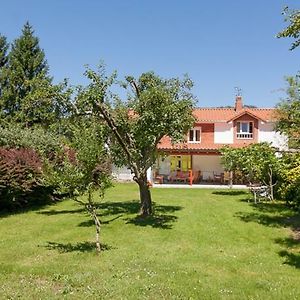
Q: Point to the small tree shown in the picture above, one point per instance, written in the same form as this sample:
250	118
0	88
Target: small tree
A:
84	169
257	163
230	160
263	165
155	107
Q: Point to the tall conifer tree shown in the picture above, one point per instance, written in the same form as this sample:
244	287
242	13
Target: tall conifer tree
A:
26	62
30	97
3	62
3	51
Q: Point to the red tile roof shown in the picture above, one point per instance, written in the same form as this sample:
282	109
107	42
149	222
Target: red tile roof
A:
212	115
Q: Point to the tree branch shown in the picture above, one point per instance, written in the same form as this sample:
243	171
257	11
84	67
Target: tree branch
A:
112	125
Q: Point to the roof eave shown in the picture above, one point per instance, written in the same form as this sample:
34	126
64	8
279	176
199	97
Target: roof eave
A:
245	113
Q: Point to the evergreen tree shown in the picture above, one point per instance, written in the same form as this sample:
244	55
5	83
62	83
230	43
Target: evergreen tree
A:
3	62
30	97
3	51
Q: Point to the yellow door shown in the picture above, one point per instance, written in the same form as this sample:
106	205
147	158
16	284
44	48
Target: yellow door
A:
180	162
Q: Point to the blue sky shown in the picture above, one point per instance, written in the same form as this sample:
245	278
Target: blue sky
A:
220	44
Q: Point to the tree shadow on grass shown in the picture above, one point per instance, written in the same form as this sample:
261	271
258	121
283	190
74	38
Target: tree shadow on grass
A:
272	214
162	217
292	243
278	215
156	221
230	193
264	219
77	247
291	258
89	223
53	212
36	206
247	196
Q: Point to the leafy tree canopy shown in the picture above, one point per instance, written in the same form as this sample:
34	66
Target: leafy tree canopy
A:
155	107
293	29
288	112
257	162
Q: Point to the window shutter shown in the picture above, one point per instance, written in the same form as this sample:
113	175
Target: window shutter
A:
250	127
191	135
197	135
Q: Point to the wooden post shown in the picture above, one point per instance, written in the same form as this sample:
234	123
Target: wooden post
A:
191	177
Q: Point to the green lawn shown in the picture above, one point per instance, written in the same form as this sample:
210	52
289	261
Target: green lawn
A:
202	244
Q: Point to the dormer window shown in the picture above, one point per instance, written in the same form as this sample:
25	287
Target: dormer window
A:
244	130
195	135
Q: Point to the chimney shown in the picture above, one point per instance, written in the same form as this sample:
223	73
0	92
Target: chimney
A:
238	103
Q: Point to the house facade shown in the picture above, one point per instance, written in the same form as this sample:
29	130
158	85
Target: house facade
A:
214	128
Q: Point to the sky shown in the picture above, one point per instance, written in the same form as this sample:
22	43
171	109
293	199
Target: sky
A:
219	44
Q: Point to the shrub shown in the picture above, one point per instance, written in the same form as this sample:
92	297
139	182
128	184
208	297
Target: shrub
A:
21	175
290	186
45	143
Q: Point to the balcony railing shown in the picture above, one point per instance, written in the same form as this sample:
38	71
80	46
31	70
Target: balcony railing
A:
244	135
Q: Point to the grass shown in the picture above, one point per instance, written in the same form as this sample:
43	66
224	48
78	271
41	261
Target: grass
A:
201	244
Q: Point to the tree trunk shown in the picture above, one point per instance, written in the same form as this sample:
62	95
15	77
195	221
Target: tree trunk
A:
271	184
145	197
98	226
93	212
231	179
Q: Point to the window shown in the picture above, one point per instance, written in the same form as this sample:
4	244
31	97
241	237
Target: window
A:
195	135
244	130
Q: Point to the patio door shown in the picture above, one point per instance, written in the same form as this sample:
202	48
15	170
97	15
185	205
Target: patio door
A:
180	162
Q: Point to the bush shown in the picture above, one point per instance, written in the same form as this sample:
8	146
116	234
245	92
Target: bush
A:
21	176
290	186
15	136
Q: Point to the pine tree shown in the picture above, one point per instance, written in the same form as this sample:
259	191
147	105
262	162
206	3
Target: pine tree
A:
3	51
3	62
30	97
26	61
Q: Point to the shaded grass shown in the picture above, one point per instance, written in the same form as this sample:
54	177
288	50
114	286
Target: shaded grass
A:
201	244
81	247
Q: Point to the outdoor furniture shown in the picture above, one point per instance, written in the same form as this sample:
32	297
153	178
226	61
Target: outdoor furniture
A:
172	176
196	176
179	176
217	177
158	179
183	176
225	177
260	191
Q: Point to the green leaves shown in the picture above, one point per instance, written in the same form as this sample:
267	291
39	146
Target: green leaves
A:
293	30
288	112
27	94
254	161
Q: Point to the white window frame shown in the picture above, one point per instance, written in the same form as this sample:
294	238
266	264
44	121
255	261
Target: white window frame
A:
194	135
244	135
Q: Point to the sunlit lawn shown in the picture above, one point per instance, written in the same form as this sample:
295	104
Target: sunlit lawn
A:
202	244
